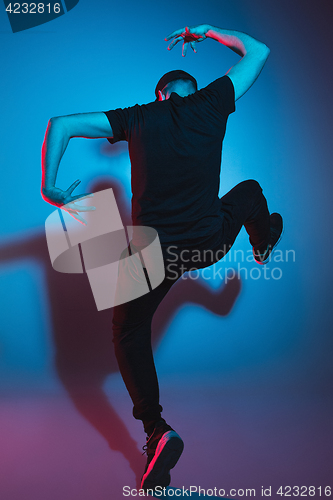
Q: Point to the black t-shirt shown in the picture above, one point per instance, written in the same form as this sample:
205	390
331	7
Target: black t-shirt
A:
175	150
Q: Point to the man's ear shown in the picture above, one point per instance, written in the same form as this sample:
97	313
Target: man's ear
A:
161	97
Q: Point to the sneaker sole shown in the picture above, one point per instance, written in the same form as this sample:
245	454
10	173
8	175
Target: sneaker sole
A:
167	454
269	258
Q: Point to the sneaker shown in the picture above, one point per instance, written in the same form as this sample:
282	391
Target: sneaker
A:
276	234
163	449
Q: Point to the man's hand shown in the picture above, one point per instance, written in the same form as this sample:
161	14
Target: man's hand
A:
190	35
253	53
59	131
59	198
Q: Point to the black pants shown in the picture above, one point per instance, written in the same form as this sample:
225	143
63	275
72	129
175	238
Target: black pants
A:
243	205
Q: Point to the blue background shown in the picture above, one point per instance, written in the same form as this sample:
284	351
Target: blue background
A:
271	337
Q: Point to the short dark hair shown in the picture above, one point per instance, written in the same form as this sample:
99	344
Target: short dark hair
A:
177	74
171	85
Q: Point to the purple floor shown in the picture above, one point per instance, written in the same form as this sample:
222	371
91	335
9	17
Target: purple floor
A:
242	440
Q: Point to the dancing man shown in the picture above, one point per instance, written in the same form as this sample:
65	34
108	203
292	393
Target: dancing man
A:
175	145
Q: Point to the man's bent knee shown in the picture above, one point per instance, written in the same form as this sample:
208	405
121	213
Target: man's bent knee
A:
253	185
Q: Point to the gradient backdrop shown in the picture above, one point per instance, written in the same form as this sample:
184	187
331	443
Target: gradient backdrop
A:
245	365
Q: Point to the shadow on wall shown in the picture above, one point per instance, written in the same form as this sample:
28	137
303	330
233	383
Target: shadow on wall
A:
83	336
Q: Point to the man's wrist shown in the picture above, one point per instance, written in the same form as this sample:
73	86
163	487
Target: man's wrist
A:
47	188
208	27
213	32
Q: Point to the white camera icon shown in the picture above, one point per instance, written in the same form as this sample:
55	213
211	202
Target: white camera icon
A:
122	263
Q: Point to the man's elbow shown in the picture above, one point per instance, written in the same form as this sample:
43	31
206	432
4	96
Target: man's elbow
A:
261	56
53	123
59	124
56	121
264	52
259	51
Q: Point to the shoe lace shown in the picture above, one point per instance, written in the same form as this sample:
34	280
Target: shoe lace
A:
262	255
149	440
146	446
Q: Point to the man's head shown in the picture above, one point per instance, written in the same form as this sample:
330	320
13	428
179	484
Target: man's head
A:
175	81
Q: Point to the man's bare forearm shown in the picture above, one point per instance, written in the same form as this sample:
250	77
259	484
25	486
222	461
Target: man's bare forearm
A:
54	145
239	42
60	130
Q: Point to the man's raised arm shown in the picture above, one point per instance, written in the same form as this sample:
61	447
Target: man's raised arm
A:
254	53
58	133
